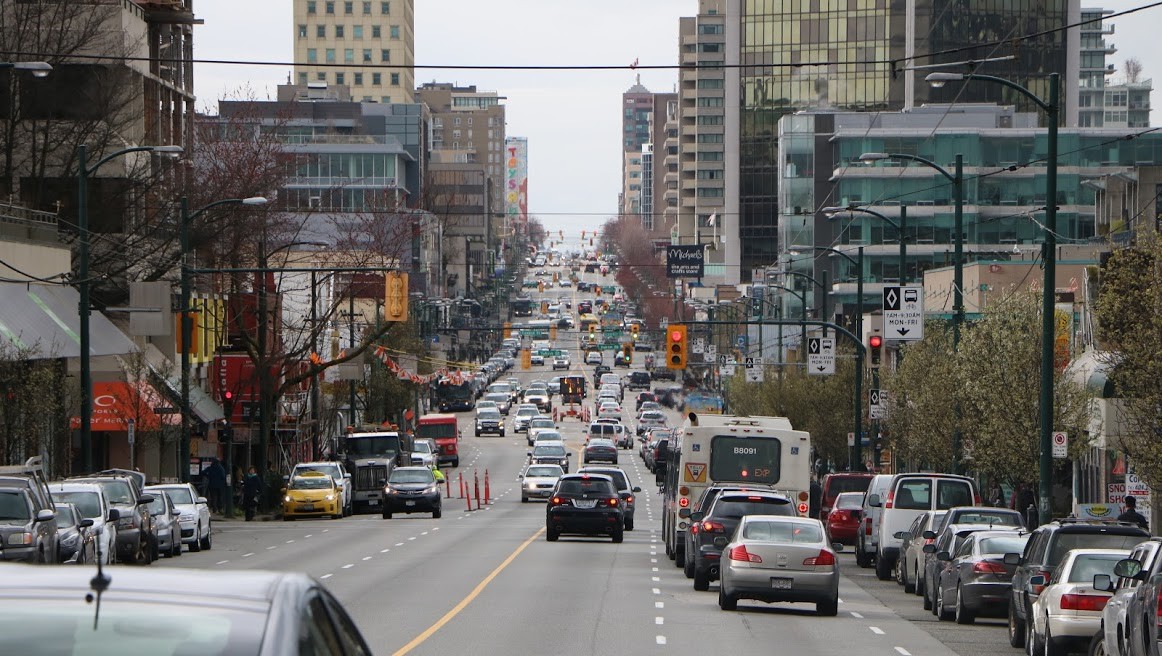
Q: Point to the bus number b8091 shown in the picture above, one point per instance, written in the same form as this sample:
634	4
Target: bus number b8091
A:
745	451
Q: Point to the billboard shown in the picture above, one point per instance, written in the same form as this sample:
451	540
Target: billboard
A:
685	260
516	164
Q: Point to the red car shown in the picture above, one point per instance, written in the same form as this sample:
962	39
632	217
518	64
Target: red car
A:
843	520
838	483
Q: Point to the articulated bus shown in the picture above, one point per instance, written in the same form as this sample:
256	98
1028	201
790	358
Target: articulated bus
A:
765	452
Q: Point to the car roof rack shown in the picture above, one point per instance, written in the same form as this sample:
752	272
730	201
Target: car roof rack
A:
1087	520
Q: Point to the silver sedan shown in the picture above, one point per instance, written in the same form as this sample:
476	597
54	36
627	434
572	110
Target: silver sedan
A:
777	558
538	481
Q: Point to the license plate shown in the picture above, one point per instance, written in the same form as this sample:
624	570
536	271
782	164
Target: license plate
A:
781	584
373	502
307	506
409	503
581	503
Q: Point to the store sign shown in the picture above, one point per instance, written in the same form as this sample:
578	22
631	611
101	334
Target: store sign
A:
685	260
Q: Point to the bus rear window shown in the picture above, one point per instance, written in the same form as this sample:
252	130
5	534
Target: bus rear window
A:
745	459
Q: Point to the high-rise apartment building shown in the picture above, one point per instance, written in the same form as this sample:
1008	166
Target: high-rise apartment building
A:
637	105
1103	102
643	133
467	125
368	45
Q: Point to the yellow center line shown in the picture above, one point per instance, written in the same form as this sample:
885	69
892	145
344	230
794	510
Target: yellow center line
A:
431	630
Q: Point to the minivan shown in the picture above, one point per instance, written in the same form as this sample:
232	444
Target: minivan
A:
865	539
908	496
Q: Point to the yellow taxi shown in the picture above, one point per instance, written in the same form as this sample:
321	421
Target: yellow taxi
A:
312	494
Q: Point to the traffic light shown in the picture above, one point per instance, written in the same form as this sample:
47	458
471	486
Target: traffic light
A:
395	298
228	405
875	344
507	329
676	347
627	352
592	329
633	330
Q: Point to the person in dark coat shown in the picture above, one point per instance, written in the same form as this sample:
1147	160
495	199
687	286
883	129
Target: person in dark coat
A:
251	491
1131	513
815	503
215	476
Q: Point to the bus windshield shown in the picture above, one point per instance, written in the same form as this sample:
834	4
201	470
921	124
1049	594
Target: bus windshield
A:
383	446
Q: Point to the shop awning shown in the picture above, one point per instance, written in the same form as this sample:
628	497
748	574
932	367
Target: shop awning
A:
40	322
115	403
169	377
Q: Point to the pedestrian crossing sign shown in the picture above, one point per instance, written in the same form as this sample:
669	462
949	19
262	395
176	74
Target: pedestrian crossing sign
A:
695	472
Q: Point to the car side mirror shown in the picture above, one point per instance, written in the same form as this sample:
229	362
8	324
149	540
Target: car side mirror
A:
45	515
1103	583
1037	580
929	548
697	516
85	523
144	500
928	535
1127	567
900	535
944	556
286	477
346	475
176	513
837	547
1012	559
202	501
382	482
637	489
873	500
114	515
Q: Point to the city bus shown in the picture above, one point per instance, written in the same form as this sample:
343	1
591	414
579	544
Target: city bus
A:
765	452
454	394
522	307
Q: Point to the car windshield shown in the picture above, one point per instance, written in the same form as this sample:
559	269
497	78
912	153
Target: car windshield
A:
527	412
422	447
549	451
549	436
179	495
841	484
1067	541
65	517
412	476
542	423
117	491
1087	565
311	483
784	532
1003	545
998	518
157	506
383	446
496	397
544	471
742	506
488	413
482	405
87	503
14	507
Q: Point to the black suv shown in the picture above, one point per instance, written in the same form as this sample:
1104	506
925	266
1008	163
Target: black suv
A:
586	504
1043	553
717	525
625	490
639	380
135	533
702	505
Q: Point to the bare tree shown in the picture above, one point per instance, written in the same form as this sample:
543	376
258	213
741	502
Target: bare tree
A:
1134	69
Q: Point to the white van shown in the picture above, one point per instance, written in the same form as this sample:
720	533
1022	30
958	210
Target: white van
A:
909	496
865	539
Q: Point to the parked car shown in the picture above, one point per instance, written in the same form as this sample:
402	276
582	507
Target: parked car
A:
166	527
134	523
976	580
538	481
909	495
910	565
340	476
173	611
779	558
28	535
1045	550
865	547
981	515
410	490
585	504
1130	624
843	520
1067	613
196	524
91	503
75	535
947	542
720	521
835	484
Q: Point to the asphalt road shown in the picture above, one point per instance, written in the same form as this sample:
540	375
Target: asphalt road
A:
486	581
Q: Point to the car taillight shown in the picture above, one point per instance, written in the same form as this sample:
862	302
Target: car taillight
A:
1158	613
891	498
989	567
629	499
867	526
558	501
929	540
741	554
824	558
612	502
975	499
712	527
694	528
1083	602
683	502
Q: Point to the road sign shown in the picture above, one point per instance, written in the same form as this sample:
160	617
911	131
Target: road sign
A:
727	362
697	345
740	342
821	356
1060	445
904	312
875	408
754	370
695	472
711	352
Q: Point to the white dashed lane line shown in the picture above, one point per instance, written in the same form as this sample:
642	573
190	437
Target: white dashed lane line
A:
903	652
876	630
856	615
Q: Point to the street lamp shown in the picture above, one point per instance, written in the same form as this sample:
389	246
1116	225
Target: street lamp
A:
1052	108
37	68
83	283
900	227
186	327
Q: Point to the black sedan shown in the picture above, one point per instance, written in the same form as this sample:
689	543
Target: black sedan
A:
584	504
600	451
411	490
976	581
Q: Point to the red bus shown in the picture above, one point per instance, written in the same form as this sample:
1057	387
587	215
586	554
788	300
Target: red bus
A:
444	429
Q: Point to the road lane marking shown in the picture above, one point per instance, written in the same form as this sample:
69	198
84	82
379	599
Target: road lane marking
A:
326	576
876	630
659	620
431	630
655	579
349	566
399	544
290	541
659	604
309	536
247	555
272	547
903	652
411	538
367	558
384	550
661	640
856	615
657	591
222	562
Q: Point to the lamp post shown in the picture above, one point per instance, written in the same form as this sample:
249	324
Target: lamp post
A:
900	227
802	315
186	328
83	284
1051	108
37	68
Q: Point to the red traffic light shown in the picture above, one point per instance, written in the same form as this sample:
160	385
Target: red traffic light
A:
227	396
875	341
676	336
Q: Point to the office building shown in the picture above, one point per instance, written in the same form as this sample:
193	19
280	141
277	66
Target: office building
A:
364	44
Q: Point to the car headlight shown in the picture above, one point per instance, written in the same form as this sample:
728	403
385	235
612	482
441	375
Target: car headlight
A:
330	497
20	539
70	539
286	498
186	517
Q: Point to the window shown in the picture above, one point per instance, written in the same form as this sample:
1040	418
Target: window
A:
367	55
339	32
385	99
302	78
456	121
455	134
330	55
330	6
711	47
710	138
385	55
376	79
710	29
321	76
357	31
376	32
302	31
366	8
348	8
312	55
317	635
311	8
340	79
321	31
710	84
348	55
913	494
395	79
395	31
711	102
358	81
385	7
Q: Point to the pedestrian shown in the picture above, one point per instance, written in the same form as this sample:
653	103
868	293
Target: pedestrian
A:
815	499
1131	513
251	491
215	476
997	495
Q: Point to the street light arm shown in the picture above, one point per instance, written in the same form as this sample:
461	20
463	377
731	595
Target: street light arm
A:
926	162
253	200
832	250
938	79
851	209
169	150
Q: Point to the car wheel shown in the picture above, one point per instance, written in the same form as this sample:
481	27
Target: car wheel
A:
208	539
477	433
963	614
386	515
829	608
917	581
196	545
883	567
861	557
927	598
502	433
942	613
629	523
1016	628
1097	646
1033	642
524	499
701	580
725	601
688	568
618	535
438	513
551	536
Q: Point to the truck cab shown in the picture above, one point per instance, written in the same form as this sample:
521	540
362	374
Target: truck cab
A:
444	429
370	458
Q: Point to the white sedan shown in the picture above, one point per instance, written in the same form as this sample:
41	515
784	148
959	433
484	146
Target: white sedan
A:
1068	612
609	410
195	513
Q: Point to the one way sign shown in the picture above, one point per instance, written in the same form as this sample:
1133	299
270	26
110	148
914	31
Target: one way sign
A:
904	312
821	356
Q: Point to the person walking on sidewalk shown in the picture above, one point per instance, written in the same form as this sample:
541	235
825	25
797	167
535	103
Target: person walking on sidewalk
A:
251	491
1131	514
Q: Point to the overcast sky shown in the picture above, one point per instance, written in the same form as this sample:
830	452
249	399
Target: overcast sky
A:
572	119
